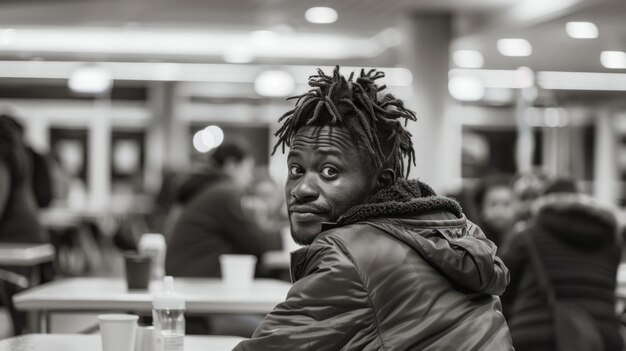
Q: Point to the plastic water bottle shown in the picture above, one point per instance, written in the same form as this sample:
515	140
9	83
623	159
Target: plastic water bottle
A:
153	245
168	314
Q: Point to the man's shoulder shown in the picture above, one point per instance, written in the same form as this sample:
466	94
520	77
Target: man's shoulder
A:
359	242
347	235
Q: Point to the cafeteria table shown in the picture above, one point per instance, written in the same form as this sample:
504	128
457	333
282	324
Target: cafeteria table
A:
202	296
78	342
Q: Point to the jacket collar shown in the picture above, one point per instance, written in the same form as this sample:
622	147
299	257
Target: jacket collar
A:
405	198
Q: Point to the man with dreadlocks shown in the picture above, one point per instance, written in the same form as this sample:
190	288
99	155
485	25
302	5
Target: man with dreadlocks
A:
388	264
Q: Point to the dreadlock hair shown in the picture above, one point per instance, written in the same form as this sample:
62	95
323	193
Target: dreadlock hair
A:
373	120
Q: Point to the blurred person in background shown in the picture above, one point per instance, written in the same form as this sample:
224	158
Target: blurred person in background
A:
18	208
215	218
577	241
218	217
40	180
527	187
267	203
495	206
19	221
388	263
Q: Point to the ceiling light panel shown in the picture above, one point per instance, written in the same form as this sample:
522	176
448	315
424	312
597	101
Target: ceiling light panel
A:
613	59
468	59
581	30
515	47
321	15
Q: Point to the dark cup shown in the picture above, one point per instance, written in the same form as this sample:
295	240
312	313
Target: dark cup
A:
137	270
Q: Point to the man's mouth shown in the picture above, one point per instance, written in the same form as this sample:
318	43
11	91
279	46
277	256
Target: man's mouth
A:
306	216
302	213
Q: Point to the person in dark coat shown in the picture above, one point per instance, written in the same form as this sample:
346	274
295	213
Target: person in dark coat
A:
213	219
578	244
40	179
19	222
388	264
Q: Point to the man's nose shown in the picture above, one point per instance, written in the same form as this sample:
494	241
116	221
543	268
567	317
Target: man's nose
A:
305	190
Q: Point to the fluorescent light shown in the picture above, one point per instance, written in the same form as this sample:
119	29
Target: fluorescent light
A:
468	59
90	80
154	43
549	80
321	15
466	88
185	72
581	30
274	83
613	59
263	37
490	78
238	54
514	47
7	36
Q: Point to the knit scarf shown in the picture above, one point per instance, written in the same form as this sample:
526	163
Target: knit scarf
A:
404	198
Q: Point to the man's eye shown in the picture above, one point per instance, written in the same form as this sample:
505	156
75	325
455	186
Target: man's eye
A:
295	170
329	172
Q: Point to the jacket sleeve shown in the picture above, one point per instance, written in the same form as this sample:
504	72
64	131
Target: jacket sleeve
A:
326	309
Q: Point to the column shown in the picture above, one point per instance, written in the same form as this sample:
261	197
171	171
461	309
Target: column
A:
99	141
437	133
605	168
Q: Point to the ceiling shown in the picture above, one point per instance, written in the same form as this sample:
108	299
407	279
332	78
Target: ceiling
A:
477	25
363	17
553	49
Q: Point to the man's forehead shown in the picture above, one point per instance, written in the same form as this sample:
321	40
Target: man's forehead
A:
327	136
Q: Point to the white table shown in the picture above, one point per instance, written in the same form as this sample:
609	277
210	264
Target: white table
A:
25	255
202	296
74	342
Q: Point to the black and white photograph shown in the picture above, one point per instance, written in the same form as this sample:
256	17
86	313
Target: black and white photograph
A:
315	175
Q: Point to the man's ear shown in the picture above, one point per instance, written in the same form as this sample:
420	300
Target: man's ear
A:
386	178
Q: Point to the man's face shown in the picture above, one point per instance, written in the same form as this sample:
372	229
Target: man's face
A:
499	208
328	174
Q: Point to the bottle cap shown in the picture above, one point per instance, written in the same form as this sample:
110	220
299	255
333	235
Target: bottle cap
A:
168	299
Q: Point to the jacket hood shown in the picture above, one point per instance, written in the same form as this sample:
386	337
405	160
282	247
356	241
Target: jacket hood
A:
435	227
195	182
577	219
405	197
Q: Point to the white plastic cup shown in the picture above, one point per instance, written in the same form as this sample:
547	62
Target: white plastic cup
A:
237	270
118	331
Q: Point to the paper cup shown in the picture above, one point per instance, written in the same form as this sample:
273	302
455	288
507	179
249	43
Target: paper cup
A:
118	331
237	270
